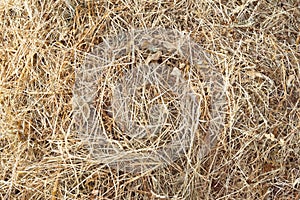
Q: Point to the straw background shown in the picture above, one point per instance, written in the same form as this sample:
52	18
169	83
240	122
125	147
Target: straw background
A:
254	44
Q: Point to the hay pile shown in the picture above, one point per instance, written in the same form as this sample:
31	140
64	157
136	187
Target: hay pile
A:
253	44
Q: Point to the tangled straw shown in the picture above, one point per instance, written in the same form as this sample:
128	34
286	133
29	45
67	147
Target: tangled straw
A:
137	99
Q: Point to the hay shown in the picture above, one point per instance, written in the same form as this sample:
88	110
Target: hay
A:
147	106
253	44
